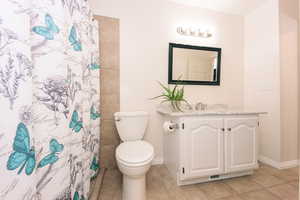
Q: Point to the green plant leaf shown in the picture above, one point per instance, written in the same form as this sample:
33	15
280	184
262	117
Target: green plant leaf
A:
181	93
174	91
186	102
173	105
159	97
175	96
164	101
165	88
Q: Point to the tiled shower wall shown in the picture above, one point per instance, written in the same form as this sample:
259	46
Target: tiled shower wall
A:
110	87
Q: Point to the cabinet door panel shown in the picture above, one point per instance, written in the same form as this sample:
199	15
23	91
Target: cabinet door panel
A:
204	147
241	144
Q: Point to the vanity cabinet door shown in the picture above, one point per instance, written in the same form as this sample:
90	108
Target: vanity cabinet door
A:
203	151
241	144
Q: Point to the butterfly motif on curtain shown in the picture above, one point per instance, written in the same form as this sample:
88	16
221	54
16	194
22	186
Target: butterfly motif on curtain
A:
95	165
23	155
94	66
52	158
94	114
73	39
75	124
47	31
76	196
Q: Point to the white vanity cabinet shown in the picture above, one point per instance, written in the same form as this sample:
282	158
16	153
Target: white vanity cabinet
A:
202	147
208	146
241	143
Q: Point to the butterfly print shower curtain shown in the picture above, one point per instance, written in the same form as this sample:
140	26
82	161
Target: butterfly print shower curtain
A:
49	99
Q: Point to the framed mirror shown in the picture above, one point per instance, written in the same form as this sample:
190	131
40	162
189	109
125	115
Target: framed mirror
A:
194	65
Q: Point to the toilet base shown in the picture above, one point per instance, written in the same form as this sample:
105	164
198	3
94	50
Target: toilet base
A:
134	188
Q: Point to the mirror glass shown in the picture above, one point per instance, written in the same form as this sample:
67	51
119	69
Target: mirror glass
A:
194	65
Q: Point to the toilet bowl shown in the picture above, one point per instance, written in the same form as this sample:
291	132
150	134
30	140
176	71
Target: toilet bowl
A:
134	156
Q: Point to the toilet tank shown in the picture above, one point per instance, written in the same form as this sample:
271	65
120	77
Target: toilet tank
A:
131	126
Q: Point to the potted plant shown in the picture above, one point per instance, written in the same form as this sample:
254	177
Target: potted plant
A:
174	97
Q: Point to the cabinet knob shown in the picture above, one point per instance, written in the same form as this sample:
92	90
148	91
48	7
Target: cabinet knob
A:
229	129
223	129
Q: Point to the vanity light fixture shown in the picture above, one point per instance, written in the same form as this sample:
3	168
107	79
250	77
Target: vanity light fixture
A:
194	32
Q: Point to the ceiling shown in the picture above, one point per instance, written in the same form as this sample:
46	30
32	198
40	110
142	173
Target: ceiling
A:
239	7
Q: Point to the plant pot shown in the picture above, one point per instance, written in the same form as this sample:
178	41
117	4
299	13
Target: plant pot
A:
175	106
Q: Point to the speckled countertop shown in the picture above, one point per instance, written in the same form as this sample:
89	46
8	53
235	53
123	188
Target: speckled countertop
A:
167	112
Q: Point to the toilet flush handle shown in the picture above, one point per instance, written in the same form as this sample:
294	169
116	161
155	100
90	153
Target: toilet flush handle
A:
117	119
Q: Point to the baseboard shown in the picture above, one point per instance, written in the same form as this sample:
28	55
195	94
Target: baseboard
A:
263	159
279	165
269	161
158	161
289	164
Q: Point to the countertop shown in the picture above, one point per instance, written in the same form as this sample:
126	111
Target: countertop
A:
167	112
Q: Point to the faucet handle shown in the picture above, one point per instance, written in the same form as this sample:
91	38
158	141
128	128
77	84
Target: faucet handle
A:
200	106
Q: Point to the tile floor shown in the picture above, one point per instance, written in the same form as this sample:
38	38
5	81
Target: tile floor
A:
267	183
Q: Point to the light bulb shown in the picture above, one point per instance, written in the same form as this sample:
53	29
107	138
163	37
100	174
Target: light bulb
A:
192	31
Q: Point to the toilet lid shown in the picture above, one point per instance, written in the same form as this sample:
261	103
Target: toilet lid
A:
135	151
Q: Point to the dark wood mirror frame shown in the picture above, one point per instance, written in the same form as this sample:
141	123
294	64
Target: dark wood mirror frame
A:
188	82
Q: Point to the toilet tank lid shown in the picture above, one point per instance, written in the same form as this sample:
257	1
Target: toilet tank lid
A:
131	114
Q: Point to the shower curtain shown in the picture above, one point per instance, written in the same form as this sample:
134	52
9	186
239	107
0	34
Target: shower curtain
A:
49	99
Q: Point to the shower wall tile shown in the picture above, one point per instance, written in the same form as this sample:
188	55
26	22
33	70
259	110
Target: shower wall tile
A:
110	88
110	54
110	45
110	83
108	126
110	105
111	30
108	156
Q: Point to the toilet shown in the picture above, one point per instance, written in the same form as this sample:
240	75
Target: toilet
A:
134	156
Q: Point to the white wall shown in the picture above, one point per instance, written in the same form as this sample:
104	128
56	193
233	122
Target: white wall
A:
146	28
289	78
271	77
262	74
299	89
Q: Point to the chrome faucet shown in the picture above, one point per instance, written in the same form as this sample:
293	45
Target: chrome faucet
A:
200	106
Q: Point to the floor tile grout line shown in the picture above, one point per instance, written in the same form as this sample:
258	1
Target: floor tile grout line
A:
169	187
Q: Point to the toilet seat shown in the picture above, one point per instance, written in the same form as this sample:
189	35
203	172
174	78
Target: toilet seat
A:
135	153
